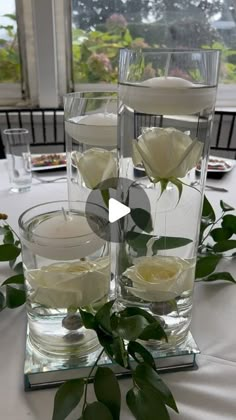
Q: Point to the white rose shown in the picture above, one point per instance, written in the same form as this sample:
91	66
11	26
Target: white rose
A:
166	153
70	284
159	278
96	166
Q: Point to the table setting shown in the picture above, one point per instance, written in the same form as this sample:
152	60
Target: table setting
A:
149	274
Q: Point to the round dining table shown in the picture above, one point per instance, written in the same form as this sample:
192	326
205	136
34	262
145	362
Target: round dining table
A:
207	393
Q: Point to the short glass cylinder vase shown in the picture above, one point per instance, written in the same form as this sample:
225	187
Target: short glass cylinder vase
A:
166	106
91	140
66	267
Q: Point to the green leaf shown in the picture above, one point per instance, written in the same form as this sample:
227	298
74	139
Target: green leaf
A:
104	314
119	352
144	376
129	328
19	279
14	297
207	211
67	398
225	206
97	411
107	390
219	234
88	320
9	252
169	242
179	186
2	301
8	237
229	222
133	310
137	240
105	197
220	276
224	245
146	406
10	16
18	268
206	265
142	219
2	230
136	350
153	331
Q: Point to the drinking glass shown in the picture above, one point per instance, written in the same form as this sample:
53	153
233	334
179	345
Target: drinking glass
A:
166	107
18	158
66	267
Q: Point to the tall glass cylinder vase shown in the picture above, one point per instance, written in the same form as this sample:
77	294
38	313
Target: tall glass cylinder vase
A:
91	140
166	106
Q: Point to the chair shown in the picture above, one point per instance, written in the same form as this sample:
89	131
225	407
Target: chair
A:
224	134
223	142
46	128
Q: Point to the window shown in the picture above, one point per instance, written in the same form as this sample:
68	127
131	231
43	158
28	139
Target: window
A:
10	68
101	27
55	46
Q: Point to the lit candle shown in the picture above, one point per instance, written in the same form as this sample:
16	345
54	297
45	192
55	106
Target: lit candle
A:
58	238
98	129
167	95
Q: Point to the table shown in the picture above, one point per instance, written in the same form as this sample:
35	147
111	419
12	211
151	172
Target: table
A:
208	393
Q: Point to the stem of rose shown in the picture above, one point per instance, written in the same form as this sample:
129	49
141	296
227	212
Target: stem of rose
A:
88	378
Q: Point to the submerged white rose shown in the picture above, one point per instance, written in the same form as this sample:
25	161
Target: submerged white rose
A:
70	284
166	153
96	166
159	278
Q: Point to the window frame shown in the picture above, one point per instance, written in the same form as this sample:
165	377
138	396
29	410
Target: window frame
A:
46	87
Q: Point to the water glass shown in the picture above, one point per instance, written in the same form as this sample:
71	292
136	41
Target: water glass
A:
18	158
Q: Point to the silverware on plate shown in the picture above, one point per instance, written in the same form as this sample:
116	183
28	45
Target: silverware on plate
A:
210	187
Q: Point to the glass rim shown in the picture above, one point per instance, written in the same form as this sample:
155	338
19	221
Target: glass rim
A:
19	131
22	227
171	50
79	93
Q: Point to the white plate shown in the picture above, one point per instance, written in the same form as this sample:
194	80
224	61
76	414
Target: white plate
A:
219	160
45	157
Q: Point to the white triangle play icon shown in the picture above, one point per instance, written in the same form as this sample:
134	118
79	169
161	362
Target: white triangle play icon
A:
117	210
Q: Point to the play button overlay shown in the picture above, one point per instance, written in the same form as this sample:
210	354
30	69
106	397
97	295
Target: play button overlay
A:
117	210
112	212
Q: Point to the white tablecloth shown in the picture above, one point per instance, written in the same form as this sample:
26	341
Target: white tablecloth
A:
208	393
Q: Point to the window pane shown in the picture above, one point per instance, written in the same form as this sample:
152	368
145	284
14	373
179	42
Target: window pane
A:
101	27
9	52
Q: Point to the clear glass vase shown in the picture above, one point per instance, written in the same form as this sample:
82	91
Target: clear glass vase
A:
66	267
164	131
91	140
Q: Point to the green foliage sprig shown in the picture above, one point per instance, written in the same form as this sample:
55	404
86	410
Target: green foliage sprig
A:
119	334
214	241
12	293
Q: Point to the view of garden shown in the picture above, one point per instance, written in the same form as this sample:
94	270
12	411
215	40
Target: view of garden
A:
101	27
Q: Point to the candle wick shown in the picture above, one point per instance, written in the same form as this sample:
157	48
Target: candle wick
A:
64	214
167	66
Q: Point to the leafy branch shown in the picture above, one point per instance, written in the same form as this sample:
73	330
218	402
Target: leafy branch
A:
119	333
214	241
12	292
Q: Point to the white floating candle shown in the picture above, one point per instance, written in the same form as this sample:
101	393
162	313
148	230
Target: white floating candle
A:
167	96
59	239
98	129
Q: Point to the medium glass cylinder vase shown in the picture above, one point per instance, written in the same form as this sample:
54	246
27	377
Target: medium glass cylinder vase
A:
91	140
166	106
66	267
